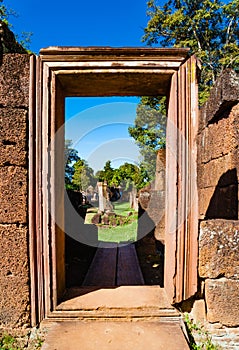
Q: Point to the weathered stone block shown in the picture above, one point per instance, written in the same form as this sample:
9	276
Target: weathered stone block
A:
13	124
14	276
160	170
222	297
14	303
218	249
212	144
14	251
225	337
144	196
216	172
220	202
204	198
13	137
223	96
96	219
14	80
198	312
159	232
13	194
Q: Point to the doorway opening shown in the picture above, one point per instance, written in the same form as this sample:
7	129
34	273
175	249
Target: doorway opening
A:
101	151
64	72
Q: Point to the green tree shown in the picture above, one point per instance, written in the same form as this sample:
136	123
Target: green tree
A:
106	174
208	27
83	175
149	131
133	176
24	38
3	12
142	177
127	176
71	156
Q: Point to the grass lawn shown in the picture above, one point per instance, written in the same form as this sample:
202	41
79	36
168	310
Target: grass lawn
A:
123	233
122	208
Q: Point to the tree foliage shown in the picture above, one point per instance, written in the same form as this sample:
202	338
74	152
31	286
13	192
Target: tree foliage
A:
83	175
127	176
149	128
5	13
208	27
23	38
149	131
71	156
79	175
106	174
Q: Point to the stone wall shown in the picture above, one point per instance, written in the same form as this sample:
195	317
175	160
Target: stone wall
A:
218	177
216	304
14	261
151	200
159	187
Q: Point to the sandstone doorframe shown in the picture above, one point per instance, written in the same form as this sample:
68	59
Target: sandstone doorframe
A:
61	72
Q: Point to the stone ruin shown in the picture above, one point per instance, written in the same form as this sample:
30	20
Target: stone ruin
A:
216	302
218	177
14	239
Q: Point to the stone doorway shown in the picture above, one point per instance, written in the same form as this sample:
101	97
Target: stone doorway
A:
61	72
98	130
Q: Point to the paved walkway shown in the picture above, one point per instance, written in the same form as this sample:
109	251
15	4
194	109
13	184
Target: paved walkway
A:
114	265
115	310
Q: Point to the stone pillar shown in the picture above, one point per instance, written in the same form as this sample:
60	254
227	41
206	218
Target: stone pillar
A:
14	262
160	170
159	187
218	183
101	196
104	202
133	200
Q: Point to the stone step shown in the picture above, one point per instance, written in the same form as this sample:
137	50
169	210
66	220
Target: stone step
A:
92	335
117	302
111	316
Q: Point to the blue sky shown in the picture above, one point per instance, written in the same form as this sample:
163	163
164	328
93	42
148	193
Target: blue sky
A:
89	23
80	23
100	133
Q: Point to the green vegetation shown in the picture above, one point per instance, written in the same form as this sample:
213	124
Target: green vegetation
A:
71	156
122	208
127	176
120	233
208	27
149	132
5	13
124	233
79	175
204	341
8	342
24	38
83	175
